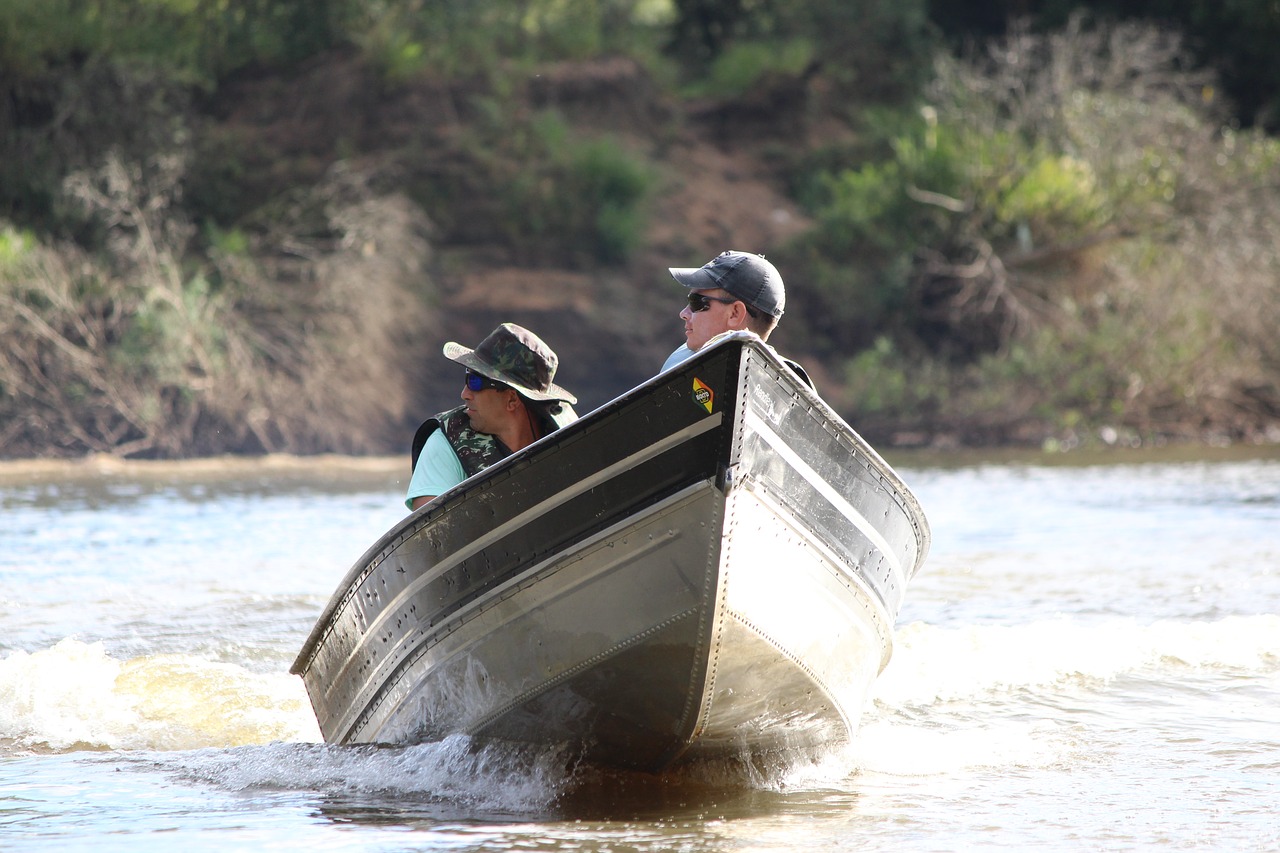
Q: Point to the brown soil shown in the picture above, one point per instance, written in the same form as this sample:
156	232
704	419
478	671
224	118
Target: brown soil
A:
720	187
611	327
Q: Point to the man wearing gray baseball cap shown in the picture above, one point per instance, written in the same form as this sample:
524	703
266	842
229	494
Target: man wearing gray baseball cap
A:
734	291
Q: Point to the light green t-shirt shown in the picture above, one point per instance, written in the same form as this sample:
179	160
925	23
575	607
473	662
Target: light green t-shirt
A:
437	471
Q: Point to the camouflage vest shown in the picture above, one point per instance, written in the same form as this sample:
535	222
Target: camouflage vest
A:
476	450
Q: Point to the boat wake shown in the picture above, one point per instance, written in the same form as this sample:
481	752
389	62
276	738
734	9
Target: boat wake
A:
462	779
74	696
452	778
236	730
953	698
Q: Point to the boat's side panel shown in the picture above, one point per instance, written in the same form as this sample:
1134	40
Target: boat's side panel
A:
610	642
490	531
820	539
802	457
799	640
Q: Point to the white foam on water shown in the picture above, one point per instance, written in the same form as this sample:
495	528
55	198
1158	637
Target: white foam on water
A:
953	700
1011	697
483	777
932	664
75	696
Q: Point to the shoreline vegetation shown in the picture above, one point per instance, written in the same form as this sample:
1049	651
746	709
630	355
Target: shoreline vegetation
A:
249	228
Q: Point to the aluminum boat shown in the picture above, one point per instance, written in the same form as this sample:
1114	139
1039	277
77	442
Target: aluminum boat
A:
708	566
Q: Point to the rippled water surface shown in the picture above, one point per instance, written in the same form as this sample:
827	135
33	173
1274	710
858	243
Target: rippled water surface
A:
1089	660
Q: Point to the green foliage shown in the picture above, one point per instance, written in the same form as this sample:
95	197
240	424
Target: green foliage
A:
610	186
461	38
14	246
881	380
206	40
942	227
230	242
175	338
448	37
576	201
872	49
869	225
200	39
33	32
1056	194
742	66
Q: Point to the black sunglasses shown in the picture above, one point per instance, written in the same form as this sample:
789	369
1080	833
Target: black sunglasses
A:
701	302
476	383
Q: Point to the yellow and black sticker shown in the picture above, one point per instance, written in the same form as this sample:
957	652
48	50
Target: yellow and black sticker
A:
703	395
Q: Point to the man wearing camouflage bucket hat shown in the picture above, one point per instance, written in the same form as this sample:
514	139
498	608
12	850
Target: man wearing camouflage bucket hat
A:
509	401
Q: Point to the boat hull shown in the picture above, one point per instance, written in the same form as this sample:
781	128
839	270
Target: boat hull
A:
709	565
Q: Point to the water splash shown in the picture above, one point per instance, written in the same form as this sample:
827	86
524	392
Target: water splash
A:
998	696
932	664
74	696
467	776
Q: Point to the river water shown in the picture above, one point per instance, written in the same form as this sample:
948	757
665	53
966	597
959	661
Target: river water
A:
1089	660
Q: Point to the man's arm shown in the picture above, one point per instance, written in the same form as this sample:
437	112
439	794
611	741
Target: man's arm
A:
438	470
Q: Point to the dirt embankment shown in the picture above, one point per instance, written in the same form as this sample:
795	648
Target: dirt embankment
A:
380	227
715	189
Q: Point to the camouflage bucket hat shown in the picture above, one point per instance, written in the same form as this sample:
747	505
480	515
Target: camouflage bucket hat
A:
517	357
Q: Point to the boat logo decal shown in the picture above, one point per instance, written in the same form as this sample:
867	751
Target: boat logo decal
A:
703	395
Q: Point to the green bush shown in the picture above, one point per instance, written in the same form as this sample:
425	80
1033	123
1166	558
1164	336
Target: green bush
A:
860	257
575	201
966	231
202	40
1057	197
873	50
741	67
14	246
1069	237
464	38
881	380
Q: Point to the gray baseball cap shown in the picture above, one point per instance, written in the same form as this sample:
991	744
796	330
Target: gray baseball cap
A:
746	276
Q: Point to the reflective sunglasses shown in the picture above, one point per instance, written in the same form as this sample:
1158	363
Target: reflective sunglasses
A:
477	383
701	302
